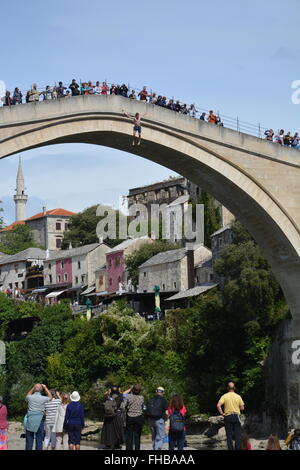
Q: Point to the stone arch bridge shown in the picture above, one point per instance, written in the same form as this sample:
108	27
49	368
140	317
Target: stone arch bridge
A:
257	180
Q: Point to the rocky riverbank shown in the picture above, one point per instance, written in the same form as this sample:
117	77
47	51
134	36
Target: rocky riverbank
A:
203	433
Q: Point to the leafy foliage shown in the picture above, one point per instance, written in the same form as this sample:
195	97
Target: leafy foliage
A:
18	239
225	334
83	229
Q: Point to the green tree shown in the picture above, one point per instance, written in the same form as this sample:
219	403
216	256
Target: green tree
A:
212	216
83	229
18	239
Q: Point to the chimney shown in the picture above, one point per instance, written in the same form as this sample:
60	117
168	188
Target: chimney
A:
44	210
190	265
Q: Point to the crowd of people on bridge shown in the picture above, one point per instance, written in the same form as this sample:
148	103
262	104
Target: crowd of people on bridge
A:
61	91
55	421
283	138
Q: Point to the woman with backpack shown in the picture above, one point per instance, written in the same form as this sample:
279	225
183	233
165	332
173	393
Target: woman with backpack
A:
112	435
176	412
134	406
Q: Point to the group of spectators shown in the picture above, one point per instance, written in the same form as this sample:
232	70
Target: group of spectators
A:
283	138
102	88
88	88
56	421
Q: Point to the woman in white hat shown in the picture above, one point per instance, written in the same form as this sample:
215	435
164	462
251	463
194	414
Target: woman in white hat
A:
74	421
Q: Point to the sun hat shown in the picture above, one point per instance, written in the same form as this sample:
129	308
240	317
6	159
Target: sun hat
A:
75	396
160	389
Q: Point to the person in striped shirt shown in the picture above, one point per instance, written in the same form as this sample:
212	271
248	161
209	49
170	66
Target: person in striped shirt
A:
51	410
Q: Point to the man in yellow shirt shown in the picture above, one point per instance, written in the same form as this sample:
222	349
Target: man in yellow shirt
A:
233	405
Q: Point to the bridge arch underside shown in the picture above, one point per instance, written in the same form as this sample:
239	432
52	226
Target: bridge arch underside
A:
270	225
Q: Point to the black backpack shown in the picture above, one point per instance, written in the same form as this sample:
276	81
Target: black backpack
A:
177	421
110	408
155	408
295	444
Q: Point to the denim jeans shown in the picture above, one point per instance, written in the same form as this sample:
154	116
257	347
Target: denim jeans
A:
39	436
233	431
158	430
50	437
176	439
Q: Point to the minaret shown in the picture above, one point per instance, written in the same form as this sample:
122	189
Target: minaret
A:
20	198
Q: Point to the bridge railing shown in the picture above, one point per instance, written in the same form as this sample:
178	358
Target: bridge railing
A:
230	122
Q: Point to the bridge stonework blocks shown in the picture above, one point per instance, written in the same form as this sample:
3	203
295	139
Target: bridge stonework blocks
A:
256	180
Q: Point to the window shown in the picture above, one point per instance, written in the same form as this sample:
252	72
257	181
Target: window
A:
174	285
58	226
117	261
78	264
23	285
109	262
66	277
49	265
76	279
10	286
110	281
20	275
145	274
50	278
58	278
58	242
67	226
16	285
62	264
100	280
211	276
119	279
16	268
163	287
83	278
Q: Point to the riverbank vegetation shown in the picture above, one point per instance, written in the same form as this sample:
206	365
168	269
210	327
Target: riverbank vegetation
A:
224	335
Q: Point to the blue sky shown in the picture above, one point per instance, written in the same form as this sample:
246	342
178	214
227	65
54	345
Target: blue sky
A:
236	57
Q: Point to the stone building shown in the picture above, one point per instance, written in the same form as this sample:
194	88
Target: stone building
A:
117	278
22	272
169	269
74	268
219	239
165	192
101	279
48	227
204	272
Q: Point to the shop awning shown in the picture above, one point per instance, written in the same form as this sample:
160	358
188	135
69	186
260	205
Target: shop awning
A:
37	291
54	294
97	294
88	290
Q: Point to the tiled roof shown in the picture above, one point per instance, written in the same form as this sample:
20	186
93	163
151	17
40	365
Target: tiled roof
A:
12	226
126	243
193	292
165	257
56	212
81	250
30	253
226	227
